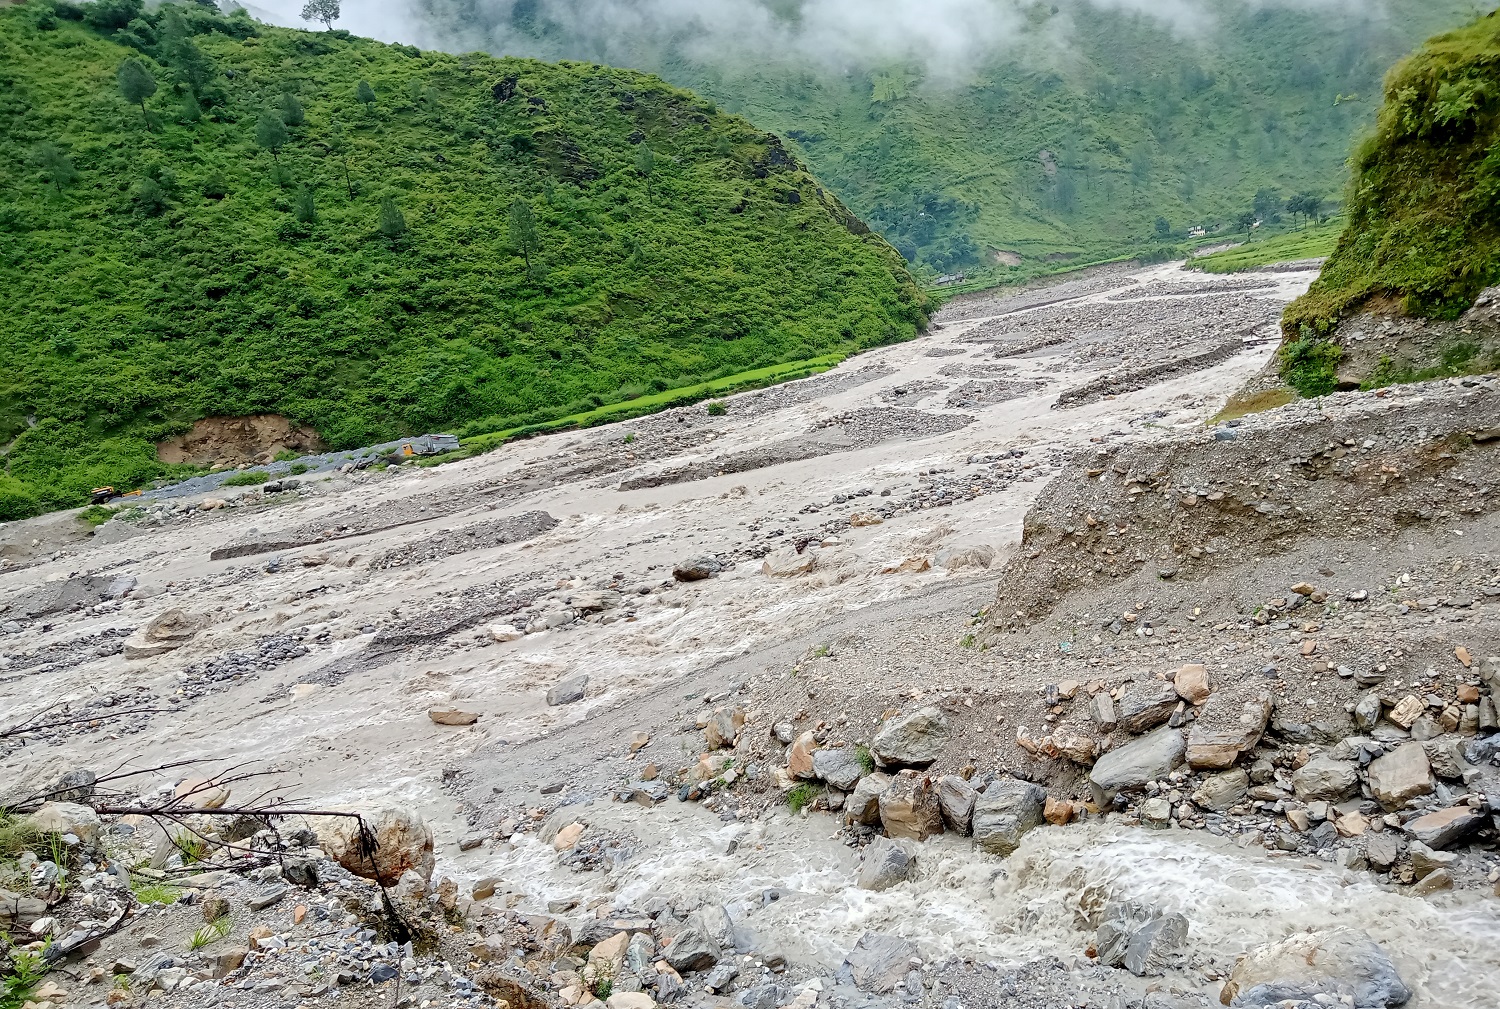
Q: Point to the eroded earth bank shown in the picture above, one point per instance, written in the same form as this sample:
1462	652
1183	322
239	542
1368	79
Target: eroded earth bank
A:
992	669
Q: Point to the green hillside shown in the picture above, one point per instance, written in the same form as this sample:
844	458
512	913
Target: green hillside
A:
1424	209
1091	130
201	216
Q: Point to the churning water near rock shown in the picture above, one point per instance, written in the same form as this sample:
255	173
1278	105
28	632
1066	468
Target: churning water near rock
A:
789	884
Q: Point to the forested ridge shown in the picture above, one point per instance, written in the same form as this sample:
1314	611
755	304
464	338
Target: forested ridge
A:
202	215
1091	130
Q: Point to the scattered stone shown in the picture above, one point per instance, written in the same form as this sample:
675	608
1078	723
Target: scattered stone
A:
1433	882
801	757
914	740
723	729
403	839
63	818
167	632
567	837
692	950
568	691
1221	791
1407	711
697	569
1004	812
1102	708
1058	812
1446	827
448	714
1425	861
1382	850
1231	724
1326	779
1192	683
1156	813
788	563
863	805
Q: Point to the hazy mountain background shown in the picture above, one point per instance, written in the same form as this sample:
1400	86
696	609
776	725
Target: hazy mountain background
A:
973	133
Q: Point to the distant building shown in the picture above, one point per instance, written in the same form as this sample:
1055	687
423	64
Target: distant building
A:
948	279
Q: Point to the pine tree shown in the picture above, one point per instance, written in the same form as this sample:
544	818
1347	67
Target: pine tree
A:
136	85
392	224
339	144
365	94
523	234
304	209
326	11
270	134
177	48
645	163
291	111
59	167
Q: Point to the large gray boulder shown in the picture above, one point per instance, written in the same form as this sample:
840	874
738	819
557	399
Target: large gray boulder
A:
956	799
886	863
1230	725
1327	779
692	950
879	962
1400	776
1139	937
1004	812
1338	962
909	807
1141	760
1145	705
839	766
568	691
914	740
863	804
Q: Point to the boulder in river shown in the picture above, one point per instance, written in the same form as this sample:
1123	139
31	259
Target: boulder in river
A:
1004	812
886	863
1337	962
909	807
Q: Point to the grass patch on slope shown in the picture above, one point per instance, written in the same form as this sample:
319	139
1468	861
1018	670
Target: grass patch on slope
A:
1424	205
1315	242
377	241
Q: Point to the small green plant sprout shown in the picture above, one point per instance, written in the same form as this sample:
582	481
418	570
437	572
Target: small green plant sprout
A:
211	933
801	797
967	641
717	408
630	438
866	759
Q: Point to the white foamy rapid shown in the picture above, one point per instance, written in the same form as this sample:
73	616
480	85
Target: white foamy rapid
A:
1033	904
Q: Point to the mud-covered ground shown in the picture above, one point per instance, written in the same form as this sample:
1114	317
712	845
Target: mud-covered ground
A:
852	528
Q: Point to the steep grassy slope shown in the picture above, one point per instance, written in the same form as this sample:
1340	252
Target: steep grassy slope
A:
1424	206
1396	300
1086	129
374	240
